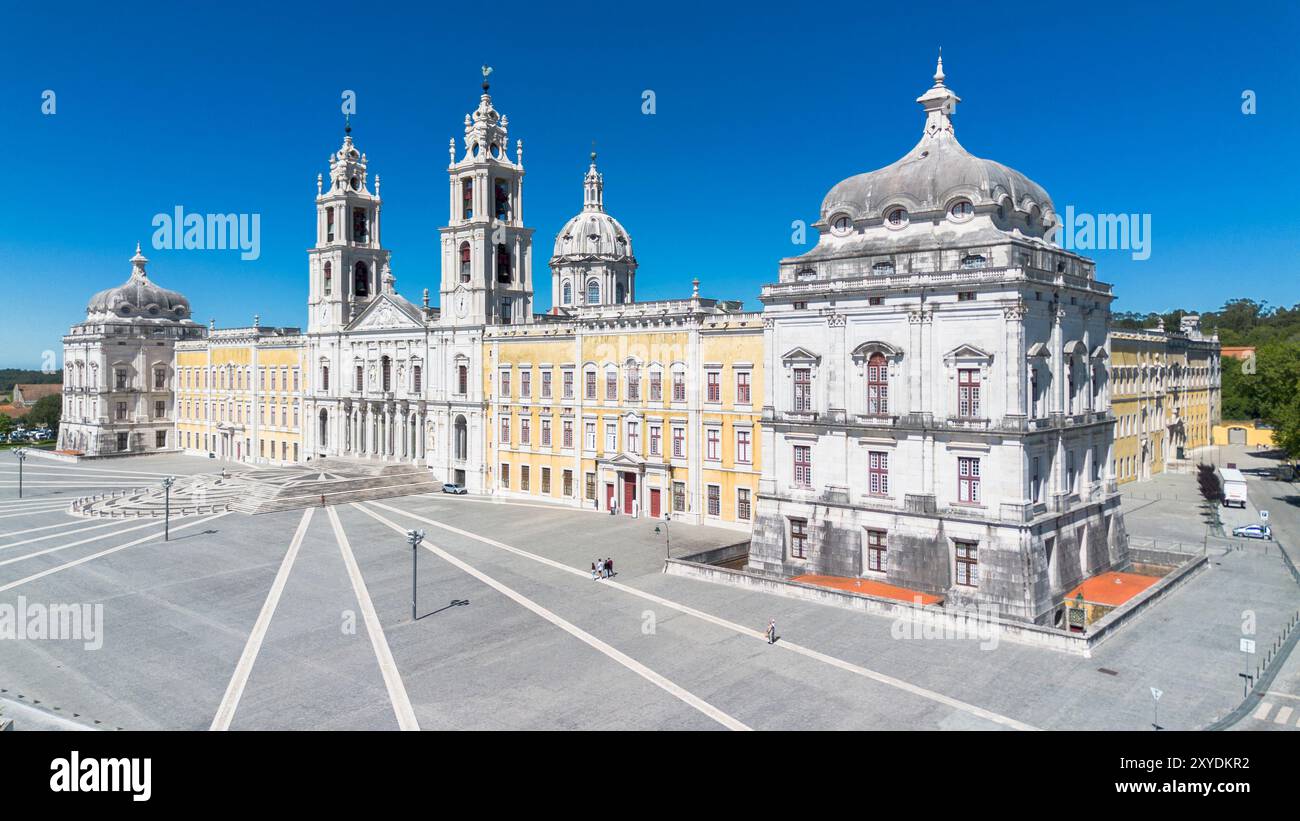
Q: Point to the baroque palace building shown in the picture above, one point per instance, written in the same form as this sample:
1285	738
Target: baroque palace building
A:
1166	396
926	398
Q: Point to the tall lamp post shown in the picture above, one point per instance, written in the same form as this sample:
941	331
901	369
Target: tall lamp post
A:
167	507
414	537
21	455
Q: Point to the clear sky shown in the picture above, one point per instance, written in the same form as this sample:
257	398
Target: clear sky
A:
1112	107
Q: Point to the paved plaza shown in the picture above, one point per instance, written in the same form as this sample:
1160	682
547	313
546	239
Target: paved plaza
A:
301	619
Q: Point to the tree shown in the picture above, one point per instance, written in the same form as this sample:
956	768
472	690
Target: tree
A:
6	425
47	411
1286	430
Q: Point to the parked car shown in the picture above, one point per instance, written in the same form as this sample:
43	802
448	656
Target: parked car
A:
452	487
1253	532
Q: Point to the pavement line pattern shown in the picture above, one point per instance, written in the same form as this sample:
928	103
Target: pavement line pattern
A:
897	683
1263	711
392	678
630	663
1283	715
55	507
67	524
57	535
235	689
86	540
107	552
1281	695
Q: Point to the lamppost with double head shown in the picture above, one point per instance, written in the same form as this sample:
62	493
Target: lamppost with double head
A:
21	455
167	507
414	537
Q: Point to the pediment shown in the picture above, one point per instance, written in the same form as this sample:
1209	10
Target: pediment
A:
385	313
968	352
866	349
800	354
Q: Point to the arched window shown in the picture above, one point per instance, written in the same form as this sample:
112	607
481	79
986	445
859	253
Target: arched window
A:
464	262
566	293
503	262
325	377
593	292
877	385
329	279
361	280
462	439
324	428
386	365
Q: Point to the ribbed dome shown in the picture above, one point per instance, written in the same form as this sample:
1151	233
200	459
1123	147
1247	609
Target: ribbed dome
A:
593	234
140	297
936	173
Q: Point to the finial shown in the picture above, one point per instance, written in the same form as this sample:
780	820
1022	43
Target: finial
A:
695	285
426	299
347	124
593	152
212	324
938	69
257	320
138	262
486	71
319	183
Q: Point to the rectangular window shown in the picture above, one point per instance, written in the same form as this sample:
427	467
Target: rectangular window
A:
507	311
968	480
679	497
159	379
524	477
656	386
568	484
713	381
742	388
568	433
799	538
119	376
590	488
633	438
467	199
525	430
968	569
505	475
965	296
546	384
743	447
611	386
462	379
546	481
679	443
160	439
121	411
358	379
878	473
505	384
505	430
526	384
679	387
715	500
1035	477
877	553
633	383
568	384
802	390
742	504
123	441
590	390
1069	471
803	465
590	434
546	431
713	444
968	393
656	433
417	379
159	409
611	437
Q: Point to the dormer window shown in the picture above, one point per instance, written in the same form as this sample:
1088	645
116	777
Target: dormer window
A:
961	210
973	261
841	225
896	218
883	269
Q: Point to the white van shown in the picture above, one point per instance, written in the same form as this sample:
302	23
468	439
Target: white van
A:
1234	487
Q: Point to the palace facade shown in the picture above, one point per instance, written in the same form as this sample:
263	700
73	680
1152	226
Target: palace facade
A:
928	397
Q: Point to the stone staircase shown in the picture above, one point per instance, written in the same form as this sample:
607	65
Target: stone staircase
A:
266	490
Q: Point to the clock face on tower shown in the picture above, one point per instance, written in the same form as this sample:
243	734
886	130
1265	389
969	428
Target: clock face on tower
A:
324	314
462	305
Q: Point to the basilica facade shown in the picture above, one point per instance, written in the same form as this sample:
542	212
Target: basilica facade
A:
924	398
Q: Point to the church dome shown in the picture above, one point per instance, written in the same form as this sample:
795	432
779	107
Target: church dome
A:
938	175
593	234
139	297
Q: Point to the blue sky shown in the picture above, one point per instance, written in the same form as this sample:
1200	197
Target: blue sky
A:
1114	108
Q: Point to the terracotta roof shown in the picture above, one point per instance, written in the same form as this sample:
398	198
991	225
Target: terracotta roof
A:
870	587
1112	588
31	393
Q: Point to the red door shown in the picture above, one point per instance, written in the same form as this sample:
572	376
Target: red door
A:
629	492
654	503
609	495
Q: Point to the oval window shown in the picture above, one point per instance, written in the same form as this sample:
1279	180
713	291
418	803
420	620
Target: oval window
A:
961	210
841	224
897	217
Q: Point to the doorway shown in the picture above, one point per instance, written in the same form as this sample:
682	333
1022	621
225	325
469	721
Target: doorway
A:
654	503
629	493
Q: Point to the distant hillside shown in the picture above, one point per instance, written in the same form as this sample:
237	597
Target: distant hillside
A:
18	376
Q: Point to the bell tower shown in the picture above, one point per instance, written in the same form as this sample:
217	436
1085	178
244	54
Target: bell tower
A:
347	260
487	276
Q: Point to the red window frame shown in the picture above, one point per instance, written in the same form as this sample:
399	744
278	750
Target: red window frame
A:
803	465
878	473
877	385
968	565
877	551
742	387
802	389
968	480
968	393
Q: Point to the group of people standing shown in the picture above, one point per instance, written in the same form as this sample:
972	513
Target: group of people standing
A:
602	569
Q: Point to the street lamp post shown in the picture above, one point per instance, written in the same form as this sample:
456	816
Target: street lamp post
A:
414	537
167	507
21	455
668	542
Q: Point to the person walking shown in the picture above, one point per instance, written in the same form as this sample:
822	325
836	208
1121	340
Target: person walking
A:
593	571
771	631
609	563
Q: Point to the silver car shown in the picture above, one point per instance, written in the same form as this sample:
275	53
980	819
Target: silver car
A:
1253	532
